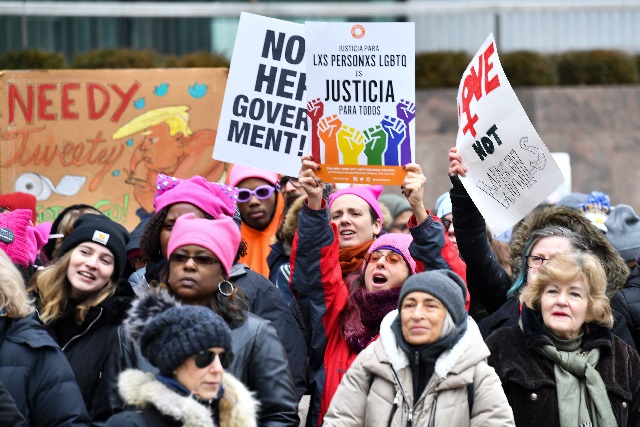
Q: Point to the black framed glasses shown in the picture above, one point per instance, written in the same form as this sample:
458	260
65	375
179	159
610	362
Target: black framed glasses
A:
391	258
262	192
447	223
178	258
206	357
534	261
289	180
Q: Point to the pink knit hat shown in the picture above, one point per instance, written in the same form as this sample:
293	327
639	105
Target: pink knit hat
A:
20	239
212	198
369	193
222	237
396	242
239	173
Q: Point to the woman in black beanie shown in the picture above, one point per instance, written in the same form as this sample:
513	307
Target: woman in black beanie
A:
191	347
78	302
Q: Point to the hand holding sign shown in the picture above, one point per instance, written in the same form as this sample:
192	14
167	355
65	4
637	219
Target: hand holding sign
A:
375	141
328	131
351	144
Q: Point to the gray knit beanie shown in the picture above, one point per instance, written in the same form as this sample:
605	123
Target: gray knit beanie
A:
445	285
623	231
168	333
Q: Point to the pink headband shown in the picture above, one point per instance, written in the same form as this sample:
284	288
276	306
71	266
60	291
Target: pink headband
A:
212	198
368	193
20	239
220	236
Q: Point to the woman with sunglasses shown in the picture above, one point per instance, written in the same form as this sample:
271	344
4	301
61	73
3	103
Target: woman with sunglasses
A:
175	197
201	253
191	347
344	313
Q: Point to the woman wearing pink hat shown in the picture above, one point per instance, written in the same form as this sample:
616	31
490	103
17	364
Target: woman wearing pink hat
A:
201	253
345	312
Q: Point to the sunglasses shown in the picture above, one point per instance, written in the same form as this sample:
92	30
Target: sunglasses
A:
287	179
447	223
206	358
262	192
391	258
178	258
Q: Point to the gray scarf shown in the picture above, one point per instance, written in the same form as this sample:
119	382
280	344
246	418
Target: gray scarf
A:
582	395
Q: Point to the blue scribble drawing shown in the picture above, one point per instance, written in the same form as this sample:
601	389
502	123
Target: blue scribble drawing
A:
197	90
139	103
161	90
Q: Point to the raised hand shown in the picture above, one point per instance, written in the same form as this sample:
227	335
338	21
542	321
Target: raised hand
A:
351	144
315	110
406	111
396	133
310	182
328	131
375	142
413	190
456	167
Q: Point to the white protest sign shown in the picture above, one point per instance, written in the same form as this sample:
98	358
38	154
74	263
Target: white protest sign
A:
361	99
510	170
263	122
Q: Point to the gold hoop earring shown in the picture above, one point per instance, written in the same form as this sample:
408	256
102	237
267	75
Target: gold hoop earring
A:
230	285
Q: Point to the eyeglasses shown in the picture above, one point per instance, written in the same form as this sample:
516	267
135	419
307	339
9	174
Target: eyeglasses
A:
206	358
447	223
262	192
391	258
288	179
178	258
534	261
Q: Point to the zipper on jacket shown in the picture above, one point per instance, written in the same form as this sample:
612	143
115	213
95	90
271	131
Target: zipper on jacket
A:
393	409
83	332
410	420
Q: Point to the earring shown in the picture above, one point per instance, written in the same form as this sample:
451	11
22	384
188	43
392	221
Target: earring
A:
229	284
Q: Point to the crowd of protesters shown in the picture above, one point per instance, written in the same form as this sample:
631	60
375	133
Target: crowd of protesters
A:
250	302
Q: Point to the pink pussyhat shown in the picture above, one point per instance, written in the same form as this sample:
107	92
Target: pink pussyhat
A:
368	193
396	242
20	239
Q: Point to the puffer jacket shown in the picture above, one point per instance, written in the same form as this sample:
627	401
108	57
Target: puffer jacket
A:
377	390
38	376
93	351
627	303
156	405
529	381
316	277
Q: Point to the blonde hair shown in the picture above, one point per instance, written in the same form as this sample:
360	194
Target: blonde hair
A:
14	300
567	267
54	290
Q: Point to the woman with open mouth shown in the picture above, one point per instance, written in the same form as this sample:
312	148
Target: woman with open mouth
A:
347	275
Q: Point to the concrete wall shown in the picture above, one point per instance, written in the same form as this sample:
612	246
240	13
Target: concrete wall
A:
598	126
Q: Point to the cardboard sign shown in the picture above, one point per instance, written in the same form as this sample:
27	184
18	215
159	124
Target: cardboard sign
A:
100	137
510	170
361	100
264	121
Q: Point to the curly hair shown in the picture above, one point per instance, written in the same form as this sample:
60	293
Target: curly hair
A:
564	268
53	290
150	240
14	300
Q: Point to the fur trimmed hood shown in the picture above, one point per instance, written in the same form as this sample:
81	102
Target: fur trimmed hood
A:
468	351
237	408
615	267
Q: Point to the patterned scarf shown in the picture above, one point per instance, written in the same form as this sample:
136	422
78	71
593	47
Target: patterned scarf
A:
351	259
373	306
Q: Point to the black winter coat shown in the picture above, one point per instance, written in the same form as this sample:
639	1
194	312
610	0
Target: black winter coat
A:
93	351
627	303
528	378
37	375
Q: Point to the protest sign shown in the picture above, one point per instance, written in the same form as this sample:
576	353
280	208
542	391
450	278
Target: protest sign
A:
361	100
263	122
510	170
100	137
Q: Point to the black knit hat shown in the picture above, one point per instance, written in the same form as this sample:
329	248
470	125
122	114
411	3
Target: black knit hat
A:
168	333
445	285
99	229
